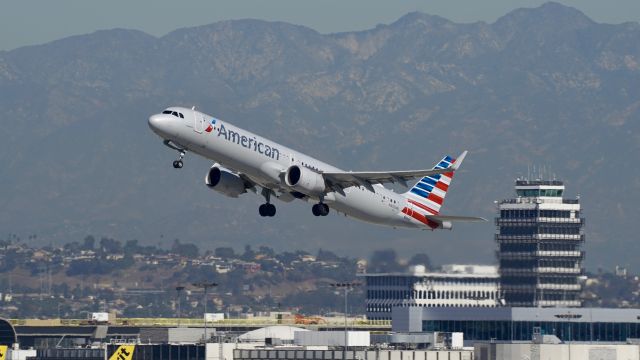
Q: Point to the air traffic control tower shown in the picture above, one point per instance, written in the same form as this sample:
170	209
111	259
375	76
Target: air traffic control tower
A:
539	235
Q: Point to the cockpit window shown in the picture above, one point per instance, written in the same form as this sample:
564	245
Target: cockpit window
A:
174	113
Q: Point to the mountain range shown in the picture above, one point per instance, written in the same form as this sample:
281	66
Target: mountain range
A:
540	92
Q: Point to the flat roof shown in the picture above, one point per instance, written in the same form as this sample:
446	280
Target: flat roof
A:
551	314
435	275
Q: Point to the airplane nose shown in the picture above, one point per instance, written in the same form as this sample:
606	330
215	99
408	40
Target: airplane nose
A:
154	120
157	122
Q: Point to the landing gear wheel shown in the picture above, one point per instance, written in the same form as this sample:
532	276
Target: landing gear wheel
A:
178	163
320	209
271	210
267	210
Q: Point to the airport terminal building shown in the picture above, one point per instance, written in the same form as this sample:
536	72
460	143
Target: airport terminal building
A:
519	324
454	286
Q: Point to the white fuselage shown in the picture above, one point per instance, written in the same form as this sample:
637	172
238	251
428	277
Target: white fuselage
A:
265	161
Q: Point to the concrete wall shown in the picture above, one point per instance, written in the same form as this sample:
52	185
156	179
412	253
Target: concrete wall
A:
20	354
582	351
407	319
331	338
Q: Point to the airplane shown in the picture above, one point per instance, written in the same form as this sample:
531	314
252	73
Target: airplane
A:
244	161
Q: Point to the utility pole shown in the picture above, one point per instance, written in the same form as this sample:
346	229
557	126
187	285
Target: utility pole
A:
346	286
205	286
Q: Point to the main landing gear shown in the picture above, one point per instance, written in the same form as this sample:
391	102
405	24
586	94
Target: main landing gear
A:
267	209
320	209
178	163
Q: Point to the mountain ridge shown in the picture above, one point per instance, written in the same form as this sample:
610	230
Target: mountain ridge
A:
78	156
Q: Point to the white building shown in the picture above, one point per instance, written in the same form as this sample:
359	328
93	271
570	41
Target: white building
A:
454	286
564	351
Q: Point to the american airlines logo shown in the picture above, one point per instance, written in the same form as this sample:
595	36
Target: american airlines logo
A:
248	142
209	128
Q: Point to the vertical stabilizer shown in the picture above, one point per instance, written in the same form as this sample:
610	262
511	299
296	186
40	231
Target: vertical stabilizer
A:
428	194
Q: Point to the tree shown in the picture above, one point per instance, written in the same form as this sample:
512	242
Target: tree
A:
131	246
326	255
248	254
267	251
109	245
72	247
88	243
384	261
287	257
188	250
225	253
421	259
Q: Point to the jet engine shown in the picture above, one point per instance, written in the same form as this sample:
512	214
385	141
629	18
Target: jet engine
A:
225	182
304	180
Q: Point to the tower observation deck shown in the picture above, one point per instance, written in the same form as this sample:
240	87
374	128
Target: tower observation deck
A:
539	236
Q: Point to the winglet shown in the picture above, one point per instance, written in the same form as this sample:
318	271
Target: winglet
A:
459	160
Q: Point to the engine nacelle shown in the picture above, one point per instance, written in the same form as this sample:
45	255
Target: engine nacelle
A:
304	180
225	182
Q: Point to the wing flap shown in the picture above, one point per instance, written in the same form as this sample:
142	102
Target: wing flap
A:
380	177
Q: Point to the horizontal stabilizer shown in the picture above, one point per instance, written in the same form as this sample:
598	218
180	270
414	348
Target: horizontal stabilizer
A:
441	218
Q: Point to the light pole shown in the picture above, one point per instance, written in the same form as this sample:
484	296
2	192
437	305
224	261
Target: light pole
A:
346	286
205	286
179	290
569	316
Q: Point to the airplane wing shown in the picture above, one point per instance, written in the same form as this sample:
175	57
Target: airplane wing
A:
344	179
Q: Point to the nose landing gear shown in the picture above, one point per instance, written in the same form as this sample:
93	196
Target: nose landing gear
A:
181	150
178	163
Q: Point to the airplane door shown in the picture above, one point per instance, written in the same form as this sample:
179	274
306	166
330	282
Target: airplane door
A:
199	120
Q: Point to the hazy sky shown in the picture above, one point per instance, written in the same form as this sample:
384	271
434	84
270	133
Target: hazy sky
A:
26	22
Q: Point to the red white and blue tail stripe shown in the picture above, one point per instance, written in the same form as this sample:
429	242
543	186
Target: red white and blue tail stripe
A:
427	195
